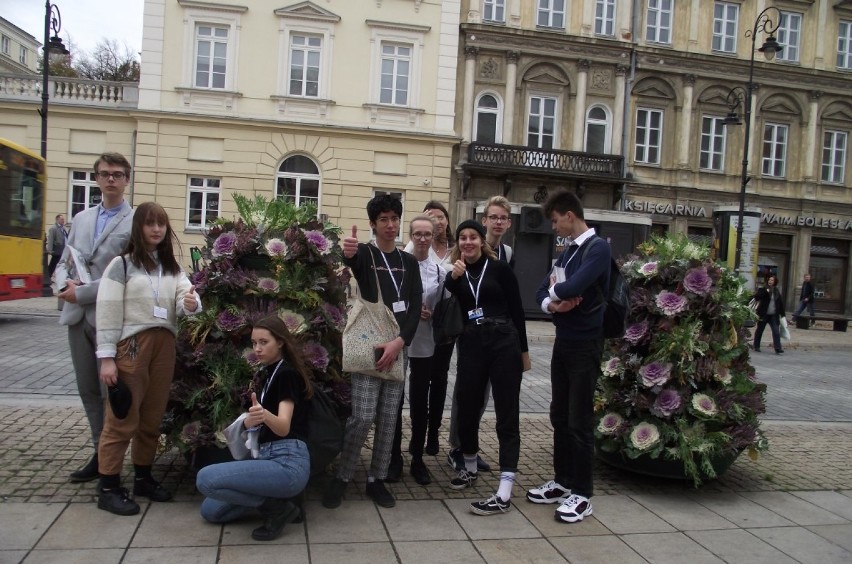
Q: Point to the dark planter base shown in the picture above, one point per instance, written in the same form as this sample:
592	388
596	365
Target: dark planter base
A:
661	467
205	456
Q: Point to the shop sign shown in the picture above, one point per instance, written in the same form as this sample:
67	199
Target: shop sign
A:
664	208
807	221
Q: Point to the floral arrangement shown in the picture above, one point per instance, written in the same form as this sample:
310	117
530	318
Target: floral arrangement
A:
679	382
276	258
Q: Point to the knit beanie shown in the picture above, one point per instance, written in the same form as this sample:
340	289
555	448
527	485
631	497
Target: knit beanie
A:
471	224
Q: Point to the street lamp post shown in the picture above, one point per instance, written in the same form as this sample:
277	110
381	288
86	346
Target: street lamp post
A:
739	95
52	20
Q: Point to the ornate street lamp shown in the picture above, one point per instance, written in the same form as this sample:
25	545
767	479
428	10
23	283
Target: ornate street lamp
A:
54	45
743	96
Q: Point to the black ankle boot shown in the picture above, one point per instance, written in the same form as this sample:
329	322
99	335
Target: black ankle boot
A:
276	513
88	472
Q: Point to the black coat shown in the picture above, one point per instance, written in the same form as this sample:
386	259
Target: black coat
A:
762	296
807	292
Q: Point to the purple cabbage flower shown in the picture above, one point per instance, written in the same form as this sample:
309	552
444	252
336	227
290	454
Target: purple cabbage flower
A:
648	269
655	373
644	436
667	403
636	332
610	423
335	315
670	303
315	355
224	244
319	241
228	322
698	281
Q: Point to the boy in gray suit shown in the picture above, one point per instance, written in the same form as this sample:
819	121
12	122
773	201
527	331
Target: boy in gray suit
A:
99	234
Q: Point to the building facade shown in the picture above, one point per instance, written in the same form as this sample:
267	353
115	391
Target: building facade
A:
18	49
624	102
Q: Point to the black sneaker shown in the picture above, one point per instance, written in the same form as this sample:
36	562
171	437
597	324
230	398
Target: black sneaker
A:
455	459
394	470
431	447
464	479
491	506
87	473
117	501
481	465
277	513
380	494
420	473
333	495
550	492
151	488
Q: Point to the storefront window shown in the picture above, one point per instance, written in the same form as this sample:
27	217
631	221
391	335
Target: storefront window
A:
774	258
829	262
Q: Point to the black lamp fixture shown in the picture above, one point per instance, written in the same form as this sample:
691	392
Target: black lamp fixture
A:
768	21
52	46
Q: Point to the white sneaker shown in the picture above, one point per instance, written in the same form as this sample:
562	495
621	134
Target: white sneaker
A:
551	492
574	509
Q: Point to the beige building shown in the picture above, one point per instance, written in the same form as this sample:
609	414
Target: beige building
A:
327	102
625	101
18	49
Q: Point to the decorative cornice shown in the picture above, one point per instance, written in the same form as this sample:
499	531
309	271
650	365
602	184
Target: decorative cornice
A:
398	26
307	11
213	6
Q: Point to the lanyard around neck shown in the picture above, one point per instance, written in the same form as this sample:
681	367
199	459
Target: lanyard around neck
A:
478	283
156	290
396	286
269	380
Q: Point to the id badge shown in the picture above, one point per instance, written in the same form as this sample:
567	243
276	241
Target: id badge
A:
399	306
160	312
475	313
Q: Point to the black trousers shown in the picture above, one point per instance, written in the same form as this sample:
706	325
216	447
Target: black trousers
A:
490	353
574	371
427	391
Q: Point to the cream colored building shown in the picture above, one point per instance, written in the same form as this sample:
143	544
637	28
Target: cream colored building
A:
328	102
624	102
18	49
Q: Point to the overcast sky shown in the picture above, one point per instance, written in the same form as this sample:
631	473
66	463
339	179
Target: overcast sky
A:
85	21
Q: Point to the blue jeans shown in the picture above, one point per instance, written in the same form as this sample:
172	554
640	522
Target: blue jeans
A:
773	320
232	489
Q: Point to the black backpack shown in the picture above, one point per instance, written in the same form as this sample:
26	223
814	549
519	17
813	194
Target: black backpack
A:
616	300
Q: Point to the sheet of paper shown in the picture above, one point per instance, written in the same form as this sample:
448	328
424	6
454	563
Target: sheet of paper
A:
80	267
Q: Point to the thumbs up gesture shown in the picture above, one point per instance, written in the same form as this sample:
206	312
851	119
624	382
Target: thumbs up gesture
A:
350	244
255	413
190	300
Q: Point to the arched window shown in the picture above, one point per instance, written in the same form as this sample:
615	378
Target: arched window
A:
487	127
597	130
298	181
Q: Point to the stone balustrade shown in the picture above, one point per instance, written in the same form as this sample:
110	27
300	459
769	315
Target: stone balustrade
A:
71	91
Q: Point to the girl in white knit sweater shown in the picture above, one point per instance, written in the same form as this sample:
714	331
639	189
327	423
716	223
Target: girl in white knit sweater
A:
142	292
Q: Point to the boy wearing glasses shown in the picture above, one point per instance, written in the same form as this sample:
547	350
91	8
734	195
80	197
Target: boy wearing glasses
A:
98	234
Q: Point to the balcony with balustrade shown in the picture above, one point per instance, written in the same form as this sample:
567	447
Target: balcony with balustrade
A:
507	160
69	91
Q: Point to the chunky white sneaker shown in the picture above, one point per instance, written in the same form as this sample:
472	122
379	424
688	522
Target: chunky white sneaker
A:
574	509
551	492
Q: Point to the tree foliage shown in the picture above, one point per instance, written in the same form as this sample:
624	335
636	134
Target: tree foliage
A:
107	61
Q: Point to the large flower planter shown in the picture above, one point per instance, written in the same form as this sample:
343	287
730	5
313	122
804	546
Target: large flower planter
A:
662	467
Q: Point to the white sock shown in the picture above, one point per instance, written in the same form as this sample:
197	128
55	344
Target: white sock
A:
507	480
470	463
370	479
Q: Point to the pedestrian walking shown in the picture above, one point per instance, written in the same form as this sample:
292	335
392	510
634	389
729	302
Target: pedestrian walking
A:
806	299
770	310
56	238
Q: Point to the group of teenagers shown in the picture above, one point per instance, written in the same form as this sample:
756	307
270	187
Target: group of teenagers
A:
122	329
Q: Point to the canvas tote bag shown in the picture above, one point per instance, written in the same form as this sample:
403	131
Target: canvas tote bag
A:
369	324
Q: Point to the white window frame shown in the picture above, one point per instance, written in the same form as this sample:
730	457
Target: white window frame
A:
226	15
6	44
709	156
542	116
494	11
724	37
607	123
790	36
605	18
399	55
212	40
645	145
22	55
554	17
401	34
322	26
403	228
497	112
844	45
656	31
299	177
775	139
206	188
306	50
834	149
87	184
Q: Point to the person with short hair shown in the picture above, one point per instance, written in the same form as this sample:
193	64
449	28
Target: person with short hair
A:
56	237
806	299
140	297
492	348
497	219
575	302
99	234
374	399
770	310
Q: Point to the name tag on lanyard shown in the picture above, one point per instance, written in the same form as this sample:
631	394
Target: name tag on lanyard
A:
160	312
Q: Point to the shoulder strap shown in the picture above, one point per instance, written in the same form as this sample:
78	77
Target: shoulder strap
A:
124	261
601	294
376	273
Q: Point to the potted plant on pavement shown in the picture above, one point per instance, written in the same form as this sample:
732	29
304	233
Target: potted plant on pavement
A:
678	396
275	258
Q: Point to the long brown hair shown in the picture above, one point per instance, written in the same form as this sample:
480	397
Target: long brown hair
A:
436	205
152	212
278	329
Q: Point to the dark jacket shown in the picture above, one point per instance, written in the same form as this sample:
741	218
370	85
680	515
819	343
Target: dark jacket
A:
807	292
762	296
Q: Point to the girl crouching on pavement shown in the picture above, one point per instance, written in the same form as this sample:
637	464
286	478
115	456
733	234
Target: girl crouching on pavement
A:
279	411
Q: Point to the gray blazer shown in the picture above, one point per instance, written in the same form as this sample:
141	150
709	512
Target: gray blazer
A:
98	255
55	239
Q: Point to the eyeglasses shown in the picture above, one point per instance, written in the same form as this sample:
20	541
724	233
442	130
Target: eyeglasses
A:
385	220
421	236
103	175
500	218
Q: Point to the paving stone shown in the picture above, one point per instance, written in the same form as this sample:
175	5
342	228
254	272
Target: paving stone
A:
596	550
479	527
511	551
622	515
834	502
437	552
352	553
174	524
682	513
182	554
353	521
670	548
795	509
742	511
841	535
803	545
420	521
76	556
83	525
23	524
269	553
739	546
